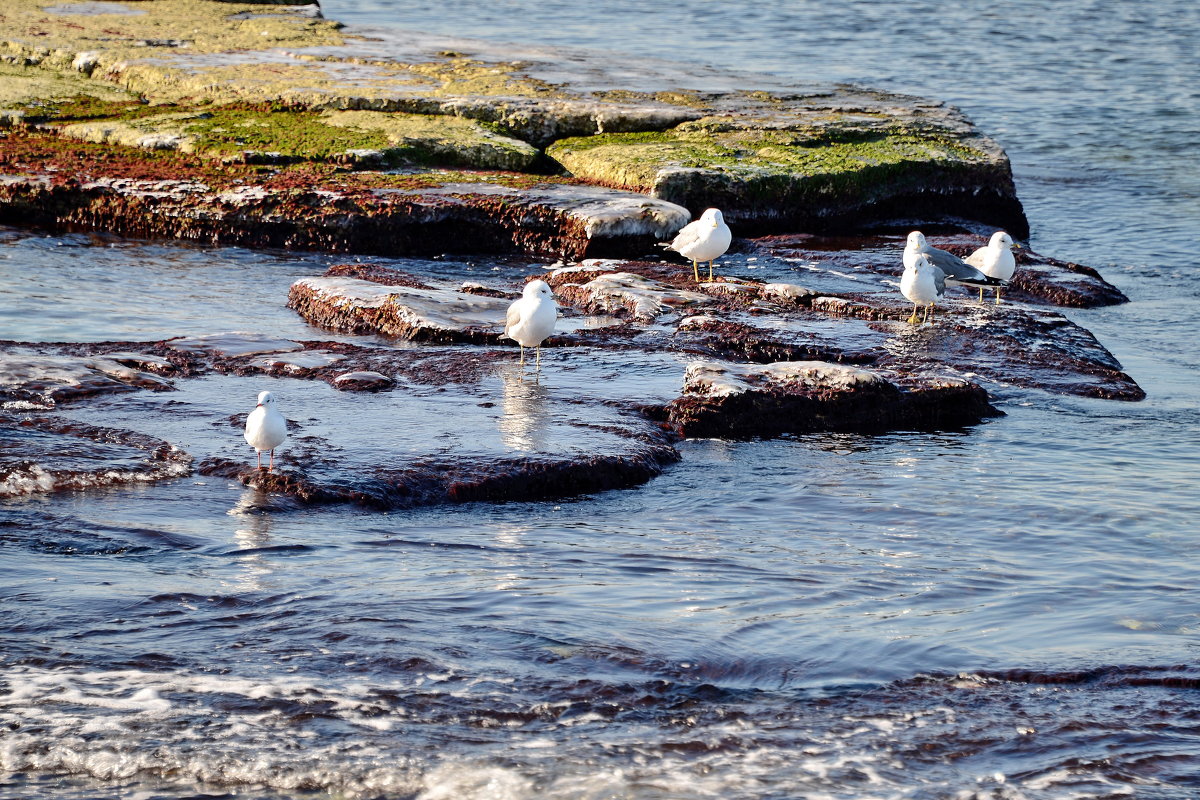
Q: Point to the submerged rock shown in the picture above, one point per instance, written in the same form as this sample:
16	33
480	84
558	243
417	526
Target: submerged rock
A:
42	454
363	381
34	380
423	425
233	344
751	400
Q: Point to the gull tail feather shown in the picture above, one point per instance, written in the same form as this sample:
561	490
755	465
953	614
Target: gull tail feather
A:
985	281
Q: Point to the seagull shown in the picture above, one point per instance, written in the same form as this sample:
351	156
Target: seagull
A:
265	428
531	318
923	284
996	260
706	239
957	271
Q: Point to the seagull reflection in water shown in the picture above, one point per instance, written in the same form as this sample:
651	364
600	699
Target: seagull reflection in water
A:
253	532
523	424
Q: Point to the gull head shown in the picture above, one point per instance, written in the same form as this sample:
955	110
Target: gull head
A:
537	289
1002	239
265	398
922	262
916	241
712	217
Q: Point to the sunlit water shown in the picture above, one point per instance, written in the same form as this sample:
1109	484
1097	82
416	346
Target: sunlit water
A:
1009	611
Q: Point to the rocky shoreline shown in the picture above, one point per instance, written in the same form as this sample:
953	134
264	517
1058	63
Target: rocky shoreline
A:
269	126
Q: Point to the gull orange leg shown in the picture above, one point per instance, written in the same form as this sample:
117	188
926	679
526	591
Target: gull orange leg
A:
997	295
913	319
710	271
696	271
981	294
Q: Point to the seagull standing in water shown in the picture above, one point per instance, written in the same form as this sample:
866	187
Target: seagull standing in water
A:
996	260
265	428
957	271
531	318
706	239
923	284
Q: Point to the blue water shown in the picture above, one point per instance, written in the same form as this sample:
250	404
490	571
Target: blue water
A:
1009	611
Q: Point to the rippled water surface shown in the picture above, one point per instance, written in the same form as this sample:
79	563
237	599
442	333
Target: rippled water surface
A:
1008	611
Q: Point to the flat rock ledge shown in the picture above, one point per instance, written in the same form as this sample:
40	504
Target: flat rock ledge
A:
795	397
247	100
461	481
355	305
875	257
741	319
81	187
461	425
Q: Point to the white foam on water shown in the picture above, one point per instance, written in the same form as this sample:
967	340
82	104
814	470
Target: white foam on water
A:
196	729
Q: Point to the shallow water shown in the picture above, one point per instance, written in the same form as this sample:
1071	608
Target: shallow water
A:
1008	611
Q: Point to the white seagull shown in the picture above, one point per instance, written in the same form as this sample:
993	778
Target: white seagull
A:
923	284
996	260
706	239
957	271
531	318
265	428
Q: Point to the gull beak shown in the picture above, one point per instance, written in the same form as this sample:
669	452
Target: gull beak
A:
1016	245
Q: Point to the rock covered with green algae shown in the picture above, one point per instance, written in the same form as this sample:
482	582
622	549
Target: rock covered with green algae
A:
775	158
374	138
817	162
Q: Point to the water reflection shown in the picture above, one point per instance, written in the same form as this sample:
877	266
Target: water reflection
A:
253	533
910	340
523	425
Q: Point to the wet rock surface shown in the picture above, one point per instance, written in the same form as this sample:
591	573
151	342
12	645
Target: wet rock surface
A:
239	125
735	318
840	262
751	400
353	305
382	426
642	355
32	380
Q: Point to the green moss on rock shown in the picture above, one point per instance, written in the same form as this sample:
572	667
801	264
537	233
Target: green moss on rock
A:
30	94
440	139
260	133
775	174
62	33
